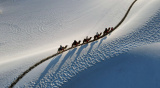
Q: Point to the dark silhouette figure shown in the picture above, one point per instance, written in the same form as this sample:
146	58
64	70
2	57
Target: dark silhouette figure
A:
97	36
106	31
86	40
112	28
75	43
61	48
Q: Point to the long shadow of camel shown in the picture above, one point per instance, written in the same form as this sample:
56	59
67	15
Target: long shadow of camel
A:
53	63
102	41
50	65
80	50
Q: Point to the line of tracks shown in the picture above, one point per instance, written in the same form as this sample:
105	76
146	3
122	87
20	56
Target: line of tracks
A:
45	59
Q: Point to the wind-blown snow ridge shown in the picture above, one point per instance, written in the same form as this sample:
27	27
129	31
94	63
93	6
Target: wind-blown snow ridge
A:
57	74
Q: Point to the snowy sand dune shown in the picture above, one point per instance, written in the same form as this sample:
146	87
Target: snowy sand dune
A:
69	65
32	30
138	68
26	23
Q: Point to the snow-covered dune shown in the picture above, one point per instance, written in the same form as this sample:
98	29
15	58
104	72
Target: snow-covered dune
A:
31	26
68	66
32	30
138	68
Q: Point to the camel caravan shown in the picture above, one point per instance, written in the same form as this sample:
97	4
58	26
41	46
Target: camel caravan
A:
86	40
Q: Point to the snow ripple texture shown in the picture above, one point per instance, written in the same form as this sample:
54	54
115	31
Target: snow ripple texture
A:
59	73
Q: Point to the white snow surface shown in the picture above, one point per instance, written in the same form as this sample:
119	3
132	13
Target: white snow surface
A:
31	30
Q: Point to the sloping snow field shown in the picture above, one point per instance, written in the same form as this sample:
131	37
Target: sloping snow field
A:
127	58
